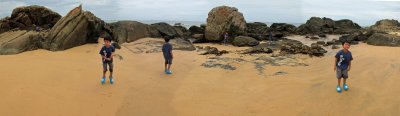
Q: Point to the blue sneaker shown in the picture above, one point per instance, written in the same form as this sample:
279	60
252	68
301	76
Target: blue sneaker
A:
338	89
103	80
111	80
345	87
165	71
169	72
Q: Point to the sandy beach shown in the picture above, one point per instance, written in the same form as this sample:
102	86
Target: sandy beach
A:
65	83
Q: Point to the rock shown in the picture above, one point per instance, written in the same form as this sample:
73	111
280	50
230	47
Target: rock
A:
78	27
165	29
296	47
196	30
320	42
316	25
314	38
129	31
27	17
181	44
379	39
198	38
257	30
346	26
258	49
224	19
330	42
386	25
335	47
14	42
245	41
213	50
182	31
283	28
321	35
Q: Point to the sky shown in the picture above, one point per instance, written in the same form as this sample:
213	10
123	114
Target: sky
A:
363	12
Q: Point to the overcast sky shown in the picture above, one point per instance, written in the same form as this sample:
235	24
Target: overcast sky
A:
364	12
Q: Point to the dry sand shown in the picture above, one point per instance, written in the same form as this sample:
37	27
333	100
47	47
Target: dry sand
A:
66	83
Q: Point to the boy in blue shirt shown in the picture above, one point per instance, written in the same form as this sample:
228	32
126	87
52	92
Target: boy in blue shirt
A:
168	56
107	53
342	65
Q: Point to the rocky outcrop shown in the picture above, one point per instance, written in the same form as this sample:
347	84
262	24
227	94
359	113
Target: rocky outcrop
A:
196	30
386	25
316	25
14	42
245	41
296	47
257	30
129	31
165	29
380	39
282	28
78	27
27	17
224	19
345	26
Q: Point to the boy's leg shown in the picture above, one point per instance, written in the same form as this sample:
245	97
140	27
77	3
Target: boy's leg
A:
338	82
104	69
103	79
111	67
169	64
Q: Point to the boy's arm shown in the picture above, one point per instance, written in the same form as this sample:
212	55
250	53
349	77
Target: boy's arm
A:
112	55
348	69
334	65
172	55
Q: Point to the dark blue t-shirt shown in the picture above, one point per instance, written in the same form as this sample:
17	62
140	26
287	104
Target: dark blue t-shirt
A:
343	59
107	52
166	49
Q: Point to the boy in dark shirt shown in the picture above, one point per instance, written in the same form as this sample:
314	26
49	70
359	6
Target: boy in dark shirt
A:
168	56
107	53
342	65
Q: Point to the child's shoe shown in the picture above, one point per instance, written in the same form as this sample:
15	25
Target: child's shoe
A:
338	89
103	80
345	87
169	72
111	80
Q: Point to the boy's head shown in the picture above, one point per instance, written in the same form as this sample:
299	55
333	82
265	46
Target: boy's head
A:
167	38
107	41
346	45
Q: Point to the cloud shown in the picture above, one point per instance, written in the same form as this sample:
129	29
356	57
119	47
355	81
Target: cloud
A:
364	12
6	7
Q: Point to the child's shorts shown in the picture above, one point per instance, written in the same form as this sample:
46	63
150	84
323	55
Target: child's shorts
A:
342	73
110	66
168	61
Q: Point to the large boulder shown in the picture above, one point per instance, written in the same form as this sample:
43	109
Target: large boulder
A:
317	25
380	39
245	41
14	42
129	31
196	30
386	25
257	30
224	19
78	27
182	31
284	28
27	17
165	29
346	26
